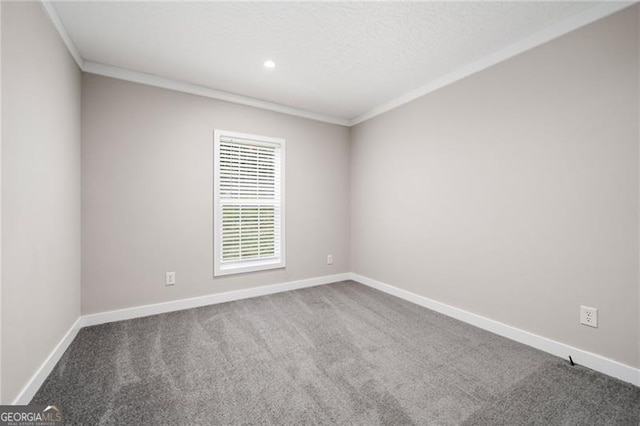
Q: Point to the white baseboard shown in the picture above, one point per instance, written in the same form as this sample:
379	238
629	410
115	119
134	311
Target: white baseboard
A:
212	299
30	389
32	386
582	357
587	359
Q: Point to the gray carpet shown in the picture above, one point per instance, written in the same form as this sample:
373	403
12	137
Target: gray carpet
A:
335	354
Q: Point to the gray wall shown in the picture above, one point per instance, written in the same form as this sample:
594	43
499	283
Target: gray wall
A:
40	192
1	400
147	194
513	194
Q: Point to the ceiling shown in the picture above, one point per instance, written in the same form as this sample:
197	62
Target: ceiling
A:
341	61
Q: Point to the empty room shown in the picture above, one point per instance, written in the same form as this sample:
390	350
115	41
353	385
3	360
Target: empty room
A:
337	213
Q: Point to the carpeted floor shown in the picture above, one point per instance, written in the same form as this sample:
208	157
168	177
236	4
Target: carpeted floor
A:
334	354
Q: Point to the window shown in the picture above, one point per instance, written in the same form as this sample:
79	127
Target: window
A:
248	203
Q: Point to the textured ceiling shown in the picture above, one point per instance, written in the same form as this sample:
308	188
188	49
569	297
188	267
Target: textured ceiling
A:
338	59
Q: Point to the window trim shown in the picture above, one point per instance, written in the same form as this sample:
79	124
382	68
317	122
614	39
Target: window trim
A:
247	265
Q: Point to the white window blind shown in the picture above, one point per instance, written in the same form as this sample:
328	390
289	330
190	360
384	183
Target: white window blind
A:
249	200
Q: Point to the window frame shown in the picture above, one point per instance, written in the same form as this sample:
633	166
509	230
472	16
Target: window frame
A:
244	266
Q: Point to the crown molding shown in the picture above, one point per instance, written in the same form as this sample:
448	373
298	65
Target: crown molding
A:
194	89
57	23
173	84
570	24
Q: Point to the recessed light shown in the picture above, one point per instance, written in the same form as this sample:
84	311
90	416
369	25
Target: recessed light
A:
269	64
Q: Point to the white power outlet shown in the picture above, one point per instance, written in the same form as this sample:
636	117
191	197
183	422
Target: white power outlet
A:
589	316
170	278
330	259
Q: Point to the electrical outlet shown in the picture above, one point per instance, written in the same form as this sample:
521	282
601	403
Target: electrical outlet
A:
589	316
170	278
330	259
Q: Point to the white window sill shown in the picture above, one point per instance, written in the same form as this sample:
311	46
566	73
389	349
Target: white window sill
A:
243	267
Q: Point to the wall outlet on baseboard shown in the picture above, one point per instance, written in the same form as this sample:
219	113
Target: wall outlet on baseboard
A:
589	316
329	259
170	278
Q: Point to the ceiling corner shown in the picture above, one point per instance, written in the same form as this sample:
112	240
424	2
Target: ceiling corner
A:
57	23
